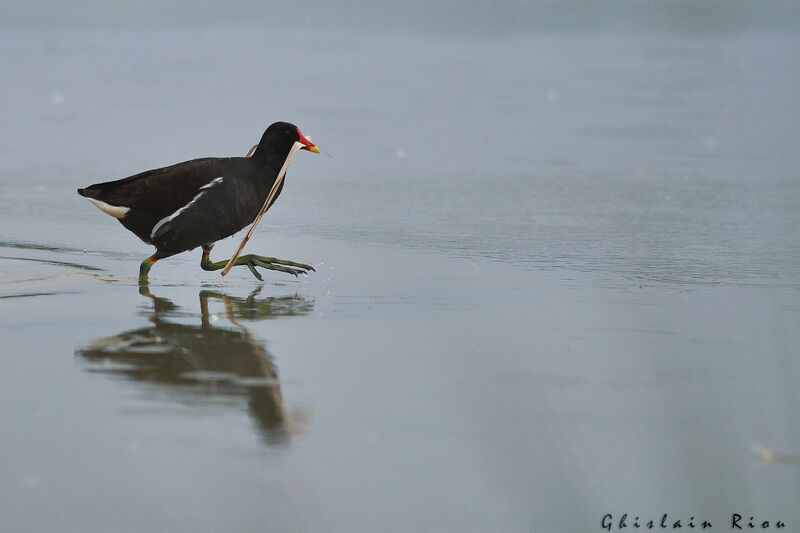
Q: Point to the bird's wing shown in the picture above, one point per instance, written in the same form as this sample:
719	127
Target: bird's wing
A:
160	191
215	212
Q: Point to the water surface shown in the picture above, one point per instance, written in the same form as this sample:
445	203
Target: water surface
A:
557	277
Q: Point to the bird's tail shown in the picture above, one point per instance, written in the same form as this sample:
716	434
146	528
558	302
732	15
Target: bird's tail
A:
90	192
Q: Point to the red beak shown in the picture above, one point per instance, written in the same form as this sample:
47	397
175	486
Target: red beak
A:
307	144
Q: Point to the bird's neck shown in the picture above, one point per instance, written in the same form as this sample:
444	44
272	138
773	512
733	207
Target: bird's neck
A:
277	162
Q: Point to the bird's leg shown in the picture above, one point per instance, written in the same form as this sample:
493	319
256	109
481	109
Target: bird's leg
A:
145	267
252	261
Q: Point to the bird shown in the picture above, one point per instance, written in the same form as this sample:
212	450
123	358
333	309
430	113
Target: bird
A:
198	202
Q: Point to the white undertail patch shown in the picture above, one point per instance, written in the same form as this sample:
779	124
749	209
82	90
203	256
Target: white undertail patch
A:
115	211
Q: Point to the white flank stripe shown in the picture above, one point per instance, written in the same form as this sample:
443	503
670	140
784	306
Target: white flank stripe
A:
113	210
211	183
171	217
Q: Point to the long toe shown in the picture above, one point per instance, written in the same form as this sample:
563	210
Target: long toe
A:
251	261
296	265
285	262
252	268
278	267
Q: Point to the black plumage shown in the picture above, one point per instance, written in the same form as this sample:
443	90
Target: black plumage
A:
198	202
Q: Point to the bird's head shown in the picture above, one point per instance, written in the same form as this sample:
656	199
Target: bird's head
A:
282	139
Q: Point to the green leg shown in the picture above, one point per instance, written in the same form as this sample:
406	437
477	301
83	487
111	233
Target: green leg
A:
145	267
252	261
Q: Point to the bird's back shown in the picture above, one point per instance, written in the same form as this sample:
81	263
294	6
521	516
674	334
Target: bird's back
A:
142	200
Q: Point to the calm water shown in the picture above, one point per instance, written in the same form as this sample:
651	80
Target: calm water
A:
558	272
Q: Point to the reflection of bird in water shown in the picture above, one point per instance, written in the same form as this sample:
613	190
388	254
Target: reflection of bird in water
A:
206	360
